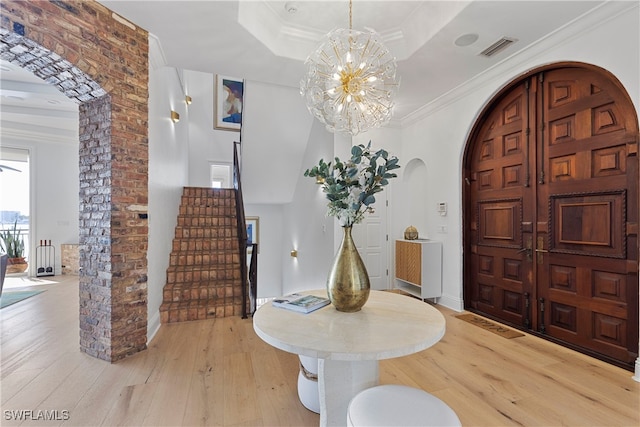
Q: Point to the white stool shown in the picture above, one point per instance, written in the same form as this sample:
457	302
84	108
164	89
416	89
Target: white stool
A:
398	405
308	383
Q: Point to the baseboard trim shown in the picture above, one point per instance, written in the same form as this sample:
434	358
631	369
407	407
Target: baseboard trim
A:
454	303
153	326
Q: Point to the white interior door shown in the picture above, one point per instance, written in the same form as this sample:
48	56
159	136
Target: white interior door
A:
370	238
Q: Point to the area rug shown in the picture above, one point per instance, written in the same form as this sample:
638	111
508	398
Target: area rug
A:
11	297
489	326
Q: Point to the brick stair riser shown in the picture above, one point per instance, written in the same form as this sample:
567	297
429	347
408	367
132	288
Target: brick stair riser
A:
206	221
220	232
206	279
203	259
202	293
203	279
195	245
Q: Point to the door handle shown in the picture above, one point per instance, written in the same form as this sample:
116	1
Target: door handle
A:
540	251
527	249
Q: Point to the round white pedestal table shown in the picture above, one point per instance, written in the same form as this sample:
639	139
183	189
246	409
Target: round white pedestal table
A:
349	345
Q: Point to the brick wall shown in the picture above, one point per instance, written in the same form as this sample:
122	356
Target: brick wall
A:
70	259
103	65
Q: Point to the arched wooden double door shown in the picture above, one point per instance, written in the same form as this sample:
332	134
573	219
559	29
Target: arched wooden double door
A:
551	211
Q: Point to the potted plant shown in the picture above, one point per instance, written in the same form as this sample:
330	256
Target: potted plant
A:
13	245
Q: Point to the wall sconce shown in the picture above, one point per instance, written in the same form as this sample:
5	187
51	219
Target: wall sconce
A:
175	117
319	180
188	100
294	253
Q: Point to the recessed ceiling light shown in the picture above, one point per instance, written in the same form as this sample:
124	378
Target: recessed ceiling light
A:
466	40
291	7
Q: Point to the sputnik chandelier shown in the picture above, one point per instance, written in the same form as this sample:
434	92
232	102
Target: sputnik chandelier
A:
351	81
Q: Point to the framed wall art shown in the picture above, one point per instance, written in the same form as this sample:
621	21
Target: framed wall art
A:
228	100
253	231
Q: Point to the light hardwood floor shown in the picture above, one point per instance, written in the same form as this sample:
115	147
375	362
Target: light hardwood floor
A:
218	372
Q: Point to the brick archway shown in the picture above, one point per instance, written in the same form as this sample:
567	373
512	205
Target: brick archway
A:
103	65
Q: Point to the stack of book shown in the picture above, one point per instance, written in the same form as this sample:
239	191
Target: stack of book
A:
300	303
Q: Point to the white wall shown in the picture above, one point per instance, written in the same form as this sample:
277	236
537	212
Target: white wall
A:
274	138
168	174
206	144
271	250
56	199
308	229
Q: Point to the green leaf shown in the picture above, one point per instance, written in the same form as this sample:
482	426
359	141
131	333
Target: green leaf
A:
369	200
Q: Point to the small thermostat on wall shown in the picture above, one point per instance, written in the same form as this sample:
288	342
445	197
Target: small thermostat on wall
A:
442	208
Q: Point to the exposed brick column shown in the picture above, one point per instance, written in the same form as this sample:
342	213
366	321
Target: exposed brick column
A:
95	228
101	63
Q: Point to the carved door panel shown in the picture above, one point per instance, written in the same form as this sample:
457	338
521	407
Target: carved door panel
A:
502	205
587	217
557	252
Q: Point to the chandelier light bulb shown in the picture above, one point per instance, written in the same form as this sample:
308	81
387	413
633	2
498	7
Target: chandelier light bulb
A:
350	98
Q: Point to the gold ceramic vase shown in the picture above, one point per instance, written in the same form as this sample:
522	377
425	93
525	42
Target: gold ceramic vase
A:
348	282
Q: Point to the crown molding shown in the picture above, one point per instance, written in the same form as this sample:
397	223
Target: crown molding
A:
24	132
157	58
518	63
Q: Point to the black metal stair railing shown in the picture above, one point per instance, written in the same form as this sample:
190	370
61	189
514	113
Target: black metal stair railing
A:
249	278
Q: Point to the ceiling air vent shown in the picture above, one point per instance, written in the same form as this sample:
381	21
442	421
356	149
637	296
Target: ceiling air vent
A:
501	44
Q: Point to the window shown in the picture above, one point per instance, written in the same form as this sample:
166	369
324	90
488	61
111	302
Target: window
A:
14	190
221	175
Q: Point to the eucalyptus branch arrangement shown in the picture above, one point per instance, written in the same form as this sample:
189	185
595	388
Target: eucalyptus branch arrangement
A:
350	186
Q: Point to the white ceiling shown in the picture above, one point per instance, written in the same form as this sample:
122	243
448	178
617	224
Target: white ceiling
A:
31	108
263	41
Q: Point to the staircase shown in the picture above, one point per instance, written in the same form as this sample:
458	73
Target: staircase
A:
204	276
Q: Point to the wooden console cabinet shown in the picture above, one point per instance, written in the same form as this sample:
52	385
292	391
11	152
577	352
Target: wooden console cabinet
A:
419	267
